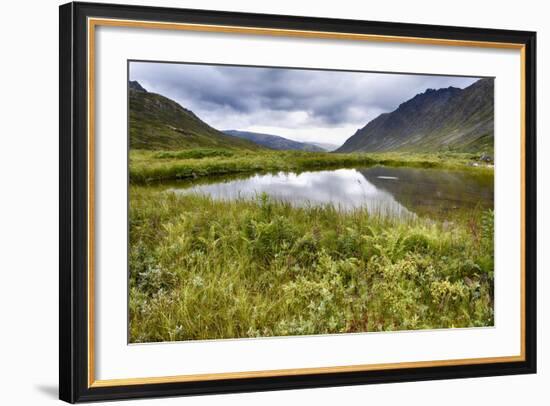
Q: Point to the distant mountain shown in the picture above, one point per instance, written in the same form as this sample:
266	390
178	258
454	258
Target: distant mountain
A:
326	146
275	141
451	118
157	122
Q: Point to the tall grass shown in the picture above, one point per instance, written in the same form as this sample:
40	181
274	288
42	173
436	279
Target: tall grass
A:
205	269
147	166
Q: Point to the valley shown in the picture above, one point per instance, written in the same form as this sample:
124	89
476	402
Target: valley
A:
236	234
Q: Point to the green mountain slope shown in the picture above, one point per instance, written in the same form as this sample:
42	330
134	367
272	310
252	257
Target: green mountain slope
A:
158	123
444	119
274	141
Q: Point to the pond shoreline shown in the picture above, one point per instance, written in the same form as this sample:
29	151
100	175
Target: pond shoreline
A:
390	190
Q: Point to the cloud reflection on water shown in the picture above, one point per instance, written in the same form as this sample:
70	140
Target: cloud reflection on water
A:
345	189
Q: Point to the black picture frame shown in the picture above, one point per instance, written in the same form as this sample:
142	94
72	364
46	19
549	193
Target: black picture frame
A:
73	256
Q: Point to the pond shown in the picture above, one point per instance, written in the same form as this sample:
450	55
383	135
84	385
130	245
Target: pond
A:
383	190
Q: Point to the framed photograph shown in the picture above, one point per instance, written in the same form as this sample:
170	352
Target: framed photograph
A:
258	202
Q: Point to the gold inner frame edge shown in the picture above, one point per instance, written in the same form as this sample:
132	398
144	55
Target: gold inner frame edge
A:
93	22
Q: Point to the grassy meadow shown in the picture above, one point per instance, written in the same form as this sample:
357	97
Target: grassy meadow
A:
206	269
149	166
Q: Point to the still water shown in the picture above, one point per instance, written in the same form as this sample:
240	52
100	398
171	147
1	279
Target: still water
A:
384	190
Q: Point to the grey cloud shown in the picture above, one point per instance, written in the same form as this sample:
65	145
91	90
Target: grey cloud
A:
289	98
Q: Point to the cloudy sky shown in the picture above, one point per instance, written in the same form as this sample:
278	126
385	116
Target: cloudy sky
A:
303	105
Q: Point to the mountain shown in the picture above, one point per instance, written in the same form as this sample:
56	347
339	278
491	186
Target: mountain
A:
450	118
158	123
134	85
275	141
326	146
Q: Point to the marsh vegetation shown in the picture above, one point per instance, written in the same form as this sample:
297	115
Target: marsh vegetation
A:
211	266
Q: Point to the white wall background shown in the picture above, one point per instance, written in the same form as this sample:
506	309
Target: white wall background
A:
28	202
